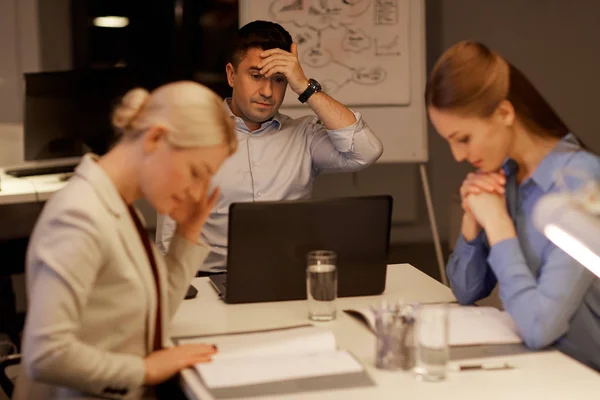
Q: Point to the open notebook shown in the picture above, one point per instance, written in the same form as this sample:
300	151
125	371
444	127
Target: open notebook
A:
287	360
468	325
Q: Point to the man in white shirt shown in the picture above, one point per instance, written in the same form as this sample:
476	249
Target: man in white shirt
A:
278	157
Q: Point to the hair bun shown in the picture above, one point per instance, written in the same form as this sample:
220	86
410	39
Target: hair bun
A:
130	106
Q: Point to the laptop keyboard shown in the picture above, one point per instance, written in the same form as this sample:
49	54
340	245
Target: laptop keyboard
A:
20	172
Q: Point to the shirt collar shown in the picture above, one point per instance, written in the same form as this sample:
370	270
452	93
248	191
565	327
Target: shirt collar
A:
276	120
544	174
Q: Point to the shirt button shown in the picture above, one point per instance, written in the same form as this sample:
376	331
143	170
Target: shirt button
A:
258	194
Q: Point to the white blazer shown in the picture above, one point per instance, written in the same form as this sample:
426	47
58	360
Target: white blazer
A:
92	296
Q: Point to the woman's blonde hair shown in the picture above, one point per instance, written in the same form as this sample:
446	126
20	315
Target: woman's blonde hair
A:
192	115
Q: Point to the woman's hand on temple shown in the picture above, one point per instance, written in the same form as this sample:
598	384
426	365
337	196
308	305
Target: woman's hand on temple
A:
194	210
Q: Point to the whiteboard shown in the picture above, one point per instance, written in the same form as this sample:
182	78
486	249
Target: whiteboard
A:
358	49
346	31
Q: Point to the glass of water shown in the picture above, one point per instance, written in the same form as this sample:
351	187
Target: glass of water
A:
431	343
321	284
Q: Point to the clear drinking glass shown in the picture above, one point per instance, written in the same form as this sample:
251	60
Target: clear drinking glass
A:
431	343
321	284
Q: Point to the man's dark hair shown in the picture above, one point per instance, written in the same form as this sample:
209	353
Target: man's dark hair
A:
263	34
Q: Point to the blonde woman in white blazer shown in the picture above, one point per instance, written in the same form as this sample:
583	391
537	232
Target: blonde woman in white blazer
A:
100	296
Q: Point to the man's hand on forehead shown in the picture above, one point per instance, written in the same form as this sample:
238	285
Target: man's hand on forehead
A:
278	61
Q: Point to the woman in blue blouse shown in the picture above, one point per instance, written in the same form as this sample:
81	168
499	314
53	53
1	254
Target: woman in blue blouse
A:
494	118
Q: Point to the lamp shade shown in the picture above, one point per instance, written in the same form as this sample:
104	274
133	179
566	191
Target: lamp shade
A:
569	226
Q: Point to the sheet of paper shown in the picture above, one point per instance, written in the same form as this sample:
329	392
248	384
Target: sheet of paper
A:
481	325
254	370
365	315
301	340
468	325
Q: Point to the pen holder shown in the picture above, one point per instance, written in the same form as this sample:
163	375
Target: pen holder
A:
394	327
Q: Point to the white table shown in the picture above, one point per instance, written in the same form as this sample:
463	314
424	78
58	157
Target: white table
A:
541	375
36	190
16	190
29	189
32	189
21	200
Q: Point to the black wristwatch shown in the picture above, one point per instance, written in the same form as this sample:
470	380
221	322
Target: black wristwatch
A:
313	87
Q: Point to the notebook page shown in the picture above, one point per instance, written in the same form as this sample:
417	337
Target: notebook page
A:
294	341
255	370
467	325
481	325
364	315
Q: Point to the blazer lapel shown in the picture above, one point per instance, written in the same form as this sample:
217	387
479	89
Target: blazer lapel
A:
89	170
163	280
164	294
139	259
163	285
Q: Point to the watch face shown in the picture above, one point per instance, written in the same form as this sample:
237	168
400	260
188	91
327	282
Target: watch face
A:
313	87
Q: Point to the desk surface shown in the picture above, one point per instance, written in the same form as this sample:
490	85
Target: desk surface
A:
32	189
38	189
543	375
28	189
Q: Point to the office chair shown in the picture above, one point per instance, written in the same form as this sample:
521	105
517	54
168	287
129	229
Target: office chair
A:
9	369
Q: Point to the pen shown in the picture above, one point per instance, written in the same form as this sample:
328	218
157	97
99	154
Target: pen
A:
483	367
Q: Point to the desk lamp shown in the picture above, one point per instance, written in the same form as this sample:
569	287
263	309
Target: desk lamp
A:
571	220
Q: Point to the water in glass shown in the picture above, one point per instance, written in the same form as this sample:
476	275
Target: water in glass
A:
321	285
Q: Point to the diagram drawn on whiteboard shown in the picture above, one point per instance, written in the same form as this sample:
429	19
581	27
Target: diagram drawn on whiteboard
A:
356	49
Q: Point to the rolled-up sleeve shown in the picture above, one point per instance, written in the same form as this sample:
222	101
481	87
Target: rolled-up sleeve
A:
349	149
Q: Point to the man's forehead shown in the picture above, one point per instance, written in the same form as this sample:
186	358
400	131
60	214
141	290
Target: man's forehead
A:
252	56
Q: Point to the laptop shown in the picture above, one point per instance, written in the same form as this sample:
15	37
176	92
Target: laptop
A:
268	243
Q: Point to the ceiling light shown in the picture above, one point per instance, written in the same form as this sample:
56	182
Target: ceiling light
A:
111	22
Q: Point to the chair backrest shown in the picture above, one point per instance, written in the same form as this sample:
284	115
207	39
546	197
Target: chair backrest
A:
9	369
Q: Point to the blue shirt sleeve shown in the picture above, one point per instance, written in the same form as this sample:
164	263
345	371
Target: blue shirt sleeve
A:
470	276
541	306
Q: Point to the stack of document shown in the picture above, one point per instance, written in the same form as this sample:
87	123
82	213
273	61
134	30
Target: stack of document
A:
276	361
468	325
